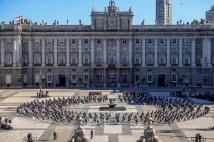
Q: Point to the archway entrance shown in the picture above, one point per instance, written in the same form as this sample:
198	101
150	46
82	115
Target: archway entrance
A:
62	80
161	80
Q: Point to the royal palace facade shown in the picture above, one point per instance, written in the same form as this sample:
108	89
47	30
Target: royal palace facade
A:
111	52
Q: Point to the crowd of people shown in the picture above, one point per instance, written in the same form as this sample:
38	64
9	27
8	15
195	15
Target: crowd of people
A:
168	109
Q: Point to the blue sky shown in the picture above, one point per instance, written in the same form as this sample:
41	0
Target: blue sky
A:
74	10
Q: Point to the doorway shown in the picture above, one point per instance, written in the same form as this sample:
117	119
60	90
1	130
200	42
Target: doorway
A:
62	81
161	80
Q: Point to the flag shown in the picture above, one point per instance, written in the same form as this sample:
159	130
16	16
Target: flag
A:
19	19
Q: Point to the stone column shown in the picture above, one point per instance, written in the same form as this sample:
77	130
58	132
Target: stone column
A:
14	52
206	52
2	52
130	52
118	52
156	53
55	52
19	51
104	75
105	52
67	53
180	53
30	52
130	85
168	52
43	52
80	52
118	77
143	53
92	52
193	52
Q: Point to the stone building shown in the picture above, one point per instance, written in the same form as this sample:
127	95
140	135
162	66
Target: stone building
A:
111	52
163	12
210	15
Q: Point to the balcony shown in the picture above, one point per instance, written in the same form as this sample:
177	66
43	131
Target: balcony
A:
61	65
25	65
174	65
8	65
86	65
98	65
49	65
137	65
125	65
111	66
162	65
74	65
149	65
37	65
187	65
198	65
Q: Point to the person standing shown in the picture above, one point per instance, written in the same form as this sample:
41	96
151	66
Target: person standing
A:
92	134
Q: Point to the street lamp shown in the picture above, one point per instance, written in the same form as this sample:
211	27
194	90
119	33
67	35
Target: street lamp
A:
41	78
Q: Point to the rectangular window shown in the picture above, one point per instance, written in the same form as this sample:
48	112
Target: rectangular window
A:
49	78
137	41
149	78
37	42
149	41
99	41
124	41
162	41
86	41
86	78
137	78
174	41
74	41
61	41
174	78
186	41
74	78
49	42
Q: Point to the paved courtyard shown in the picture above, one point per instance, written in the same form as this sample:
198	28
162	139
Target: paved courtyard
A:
43	129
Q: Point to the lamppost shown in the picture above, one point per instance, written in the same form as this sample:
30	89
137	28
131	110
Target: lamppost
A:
41	78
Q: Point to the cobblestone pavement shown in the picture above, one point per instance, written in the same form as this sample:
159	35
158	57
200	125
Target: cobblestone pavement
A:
43	130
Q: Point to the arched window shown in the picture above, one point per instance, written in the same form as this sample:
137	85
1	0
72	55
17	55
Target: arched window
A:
149	59
25	59
8	59
61	59
37	58
49	59
137	60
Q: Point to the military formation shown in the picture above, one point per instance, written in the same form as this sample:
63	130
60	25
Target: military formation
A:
169	110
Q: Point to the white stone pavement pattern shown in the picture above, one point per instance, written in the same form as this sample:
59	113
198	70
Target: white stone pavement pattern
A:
10	99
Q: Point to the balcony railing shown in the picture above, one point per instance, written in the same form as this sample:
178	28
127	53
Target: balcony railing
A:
125	65
187	65
149	65
74	65
98	65
174	65
8	65
25	65
49	65
137	65
61	65
36	65
111	66
86	65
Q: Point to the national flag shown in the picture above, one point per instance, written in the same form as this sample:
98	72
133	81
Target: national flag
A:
18	19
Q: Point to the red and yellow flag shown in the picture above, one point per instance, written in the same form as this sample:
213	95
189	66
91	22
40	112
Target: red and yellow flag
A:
18	19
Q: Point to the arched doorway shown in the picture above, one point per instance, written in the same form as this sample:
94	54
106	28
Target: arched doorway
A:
161	80
62	79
